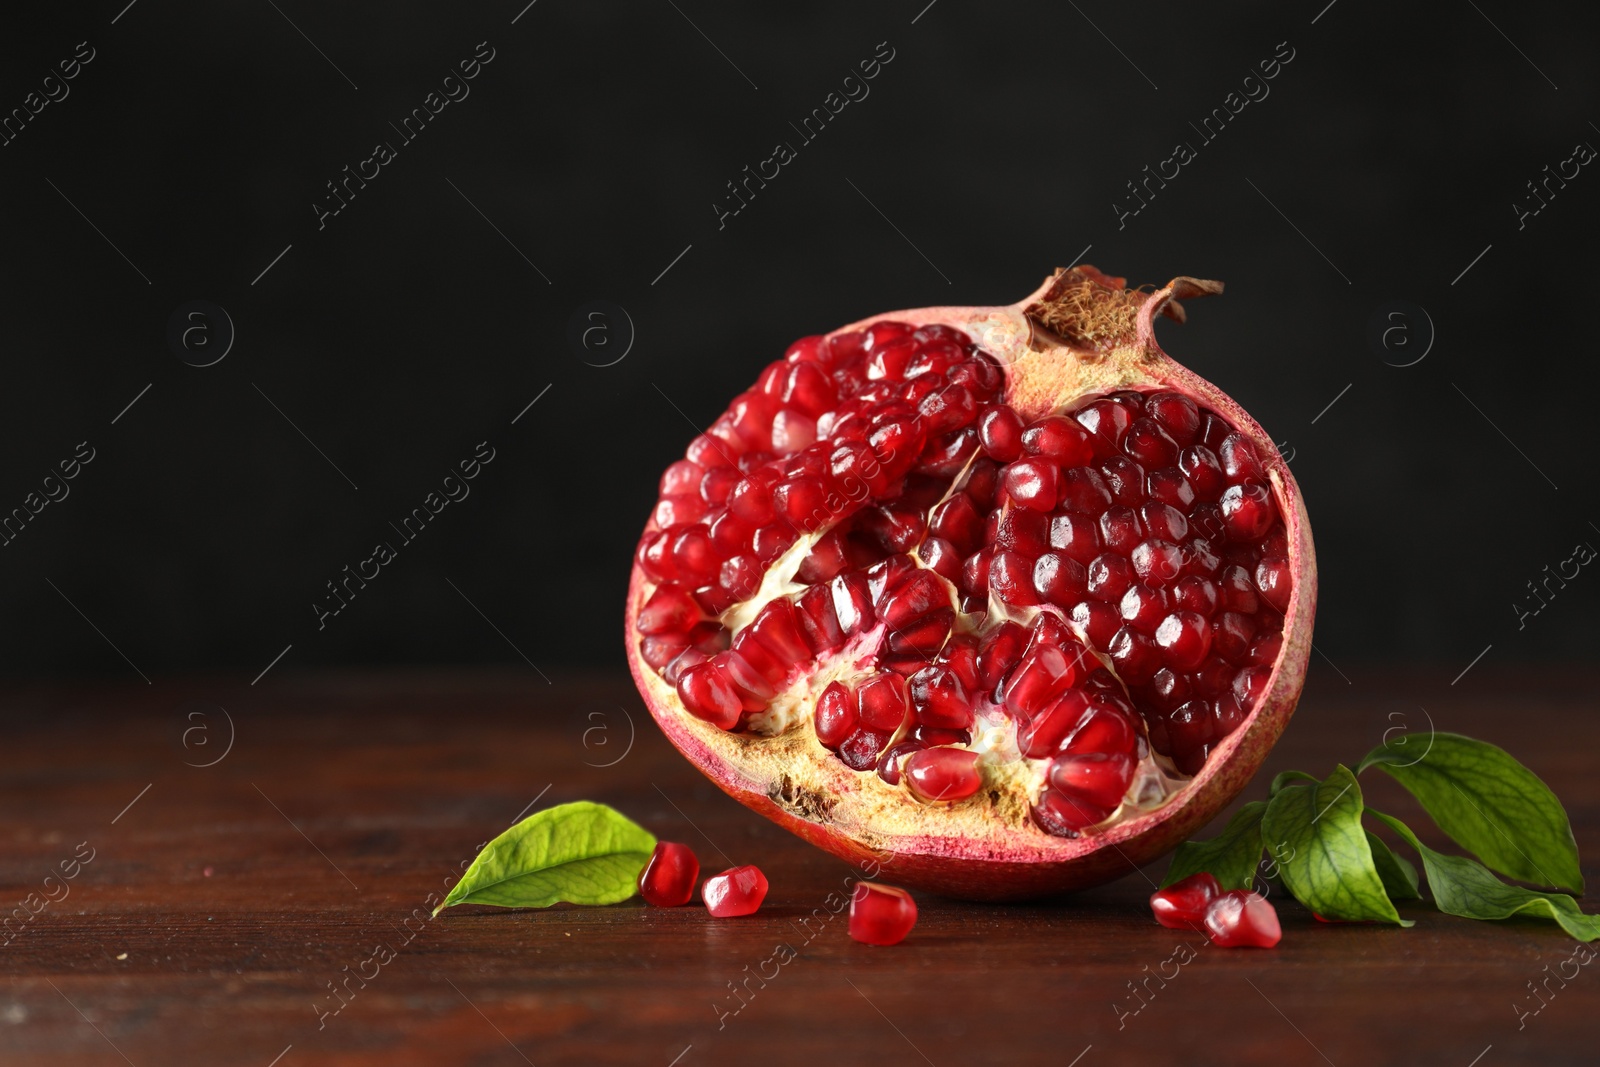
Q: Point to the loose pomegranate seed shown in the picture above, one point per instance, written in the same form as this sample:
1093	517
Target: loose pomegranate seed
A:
736	891
1240	919
943	774
669	875
881	914
1182	905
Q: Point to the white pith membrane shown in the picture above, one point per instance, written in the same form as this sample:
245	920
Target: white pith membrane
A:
804	776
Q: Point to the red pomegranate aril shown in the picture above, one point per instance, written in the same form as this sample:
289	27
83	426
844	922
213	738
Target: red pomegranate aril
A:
943	774
889	764
942	558
770	542
1042	735
852	602
1247	511
1000	652
1266	650
807	388
669	610
1032	483
1182	905
681	477
1164	521
958	521
1167	485
883	702
1200	465
1061	439
1120	530
1065	816
960	655
661	649
1237	591
1125	480
836	717
673	511
924	637
709	695
975	575
1110	576
1241	919
1232	635
1156	563
750	500
1104	729
669	875
694	556
1099	778
1185	639
1022	530
778	632
940	700
739	578
1143	608
1042	675
1177	414
919	594
1011	579
1106	421
1196	594
1075	535
1135	655
1148	444
1059	579
1239	461
736	891
752	687
1096	620
860	750
881	914
1273	578
1190	729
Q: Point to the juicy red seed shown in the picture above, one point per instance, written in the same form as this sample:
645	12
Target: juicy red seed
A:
1001	650
709	452
808	388
1177	415
718	484
754	690
1199	558
1076	535
669	610
740	576
881	914
983	478
1182	905
814	612
776	628
1099	778
730	535
1196	594
942	558
1191	729
951	407
1213	431
803	501
1157	563
975	574
1061	439
1238	592
1272	578
1241	919
827	559
1050	632
1239	461
1164	521
919	595
894	529
1084	490
1064	816
1135	654
681	477
1044	734
669	875
736	891
1247	511
961	656
709	695
1109	577
1149	444
1106	422
940	700
1248	685
957	521
1032	483
836	717
1167	485
1107	730
1022	530
1120	530
893	757
1234	633
770	542
679	510
1041	676
1230	713
1200	465
1143	608
1059	579
860	750
946	774
1168	689
1216	674
662	649
883	702
1185	638
1096	620
924	637
1011	579
1124	479
889	360
1265	651
846	348
852	602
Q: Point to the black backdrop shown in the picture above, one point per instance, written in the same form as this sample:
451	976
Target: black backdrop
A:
376	347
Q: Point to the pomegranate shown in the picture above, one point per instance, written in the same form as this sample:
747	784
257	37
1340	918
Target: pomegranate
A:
881	914
736	891
1242	919
1003	596
1182	905
669	875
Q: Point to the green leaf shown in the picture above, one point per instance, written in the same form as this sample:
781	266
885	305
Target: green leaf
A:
1399	876
1489	804
1314	834
1231	856
1288	778
580	853
1465	887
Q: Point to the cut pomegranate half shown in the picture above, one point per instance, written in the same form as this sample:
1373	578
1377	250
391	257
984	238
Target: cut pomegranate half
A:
1004	596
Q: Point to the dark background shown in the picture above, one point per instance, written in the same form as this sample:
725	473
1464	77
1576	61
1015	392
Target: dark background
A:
990	150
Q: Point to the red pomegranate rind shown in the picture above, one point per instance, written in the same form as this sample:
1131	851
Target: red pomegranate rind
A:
1080	336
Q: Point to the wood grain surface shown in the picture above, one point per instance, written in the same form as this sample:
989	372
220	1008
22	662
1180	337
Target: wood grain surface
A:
221	905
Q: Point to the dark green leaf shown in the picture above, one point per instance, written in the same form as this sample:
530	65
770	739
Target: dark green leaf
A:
1315	836
1231	856
581	853
1465	887
1288	778
1399	876
1488	803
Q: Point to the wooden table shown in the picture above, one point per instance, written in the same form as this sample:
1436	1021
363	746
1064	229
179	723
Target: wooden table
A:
222	903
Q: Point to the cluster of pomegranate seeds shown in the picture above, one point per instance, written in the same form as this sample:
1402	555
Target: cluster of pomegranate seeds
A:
736	891
964	569
881	914
1237	918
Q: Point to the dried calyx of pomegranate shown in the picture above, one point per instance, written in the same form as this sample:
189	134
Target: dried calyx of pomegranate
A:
1003	593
